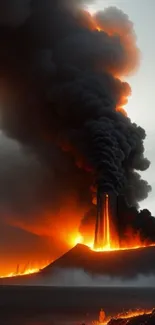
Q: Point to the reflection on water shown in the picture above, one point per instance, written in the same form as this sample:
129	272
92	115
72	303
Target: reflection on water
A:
50	319
68	305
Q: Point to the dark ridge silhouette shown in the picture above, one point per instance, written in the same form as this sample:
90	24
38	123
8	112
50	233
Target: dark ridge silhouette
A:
125	264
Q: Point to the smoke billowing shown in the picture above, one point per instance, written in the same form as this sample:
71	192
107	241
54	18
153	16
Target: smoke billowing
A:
62	93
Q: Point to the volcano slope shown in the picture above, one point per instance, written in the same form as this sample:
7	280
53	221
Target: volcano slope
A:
121	263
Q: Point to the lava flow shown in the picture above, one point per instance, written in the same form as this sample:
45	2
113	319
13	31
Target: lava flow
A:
125	315
106	237
26	271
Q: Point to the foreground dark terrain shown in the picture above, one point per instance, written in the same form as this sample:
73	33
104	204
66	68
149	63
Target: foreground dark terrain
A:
71	305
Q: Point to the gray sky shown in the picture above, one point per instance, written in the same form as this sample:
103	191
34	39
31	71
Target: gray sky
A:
142	103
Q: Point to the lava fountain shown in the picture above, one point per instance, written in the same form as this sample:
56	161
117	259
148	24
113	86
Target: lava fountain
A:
106	237
105	234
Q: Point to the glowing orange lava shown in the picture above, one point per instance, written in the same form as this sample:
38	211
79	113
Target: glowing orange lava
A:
107	238
25	271
134	313
110	238
125	315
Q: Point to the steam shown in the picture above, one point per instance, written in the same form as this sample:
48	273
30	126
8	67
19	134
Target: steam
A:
77	277
62	94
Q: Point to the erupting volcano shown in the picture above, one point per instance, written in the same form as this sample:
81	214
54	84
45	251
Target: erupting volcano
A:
62	99
106	254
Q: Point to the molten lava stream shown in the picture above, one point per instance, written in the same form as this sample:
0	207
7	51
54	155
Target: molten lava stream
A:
107	235
110	240
125	315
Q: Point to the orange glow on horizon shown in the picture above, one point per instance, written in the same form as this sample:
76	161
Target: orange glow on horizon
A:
24	271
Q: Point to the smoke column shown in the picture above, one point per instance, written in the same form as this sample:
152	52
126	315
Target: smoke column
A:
62	92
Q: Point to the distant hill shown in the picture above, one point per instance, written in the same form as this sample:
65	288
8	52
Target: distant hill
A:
124	264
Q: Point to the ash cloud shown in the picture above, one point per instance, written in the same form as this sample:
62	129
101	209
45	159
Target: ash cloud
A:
59	90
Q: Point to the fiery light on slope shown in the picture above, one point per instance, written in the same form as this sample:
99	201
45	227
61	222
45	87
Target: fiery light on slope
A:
125	315
134	313
110	239
26	271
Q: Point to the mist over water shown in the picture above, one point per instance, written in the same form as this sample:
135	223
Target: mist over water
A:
79	278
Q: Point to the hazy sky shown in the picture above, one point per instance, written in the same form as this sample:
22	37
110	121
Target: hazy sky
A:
142	103
140	108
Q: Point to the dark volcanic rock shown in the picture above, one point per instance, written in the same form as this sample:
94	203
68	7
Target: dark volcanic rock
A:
123	263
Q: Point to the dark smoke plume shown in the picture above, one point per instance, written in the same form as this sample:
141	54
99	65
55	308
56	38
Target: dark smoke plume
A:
62	94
